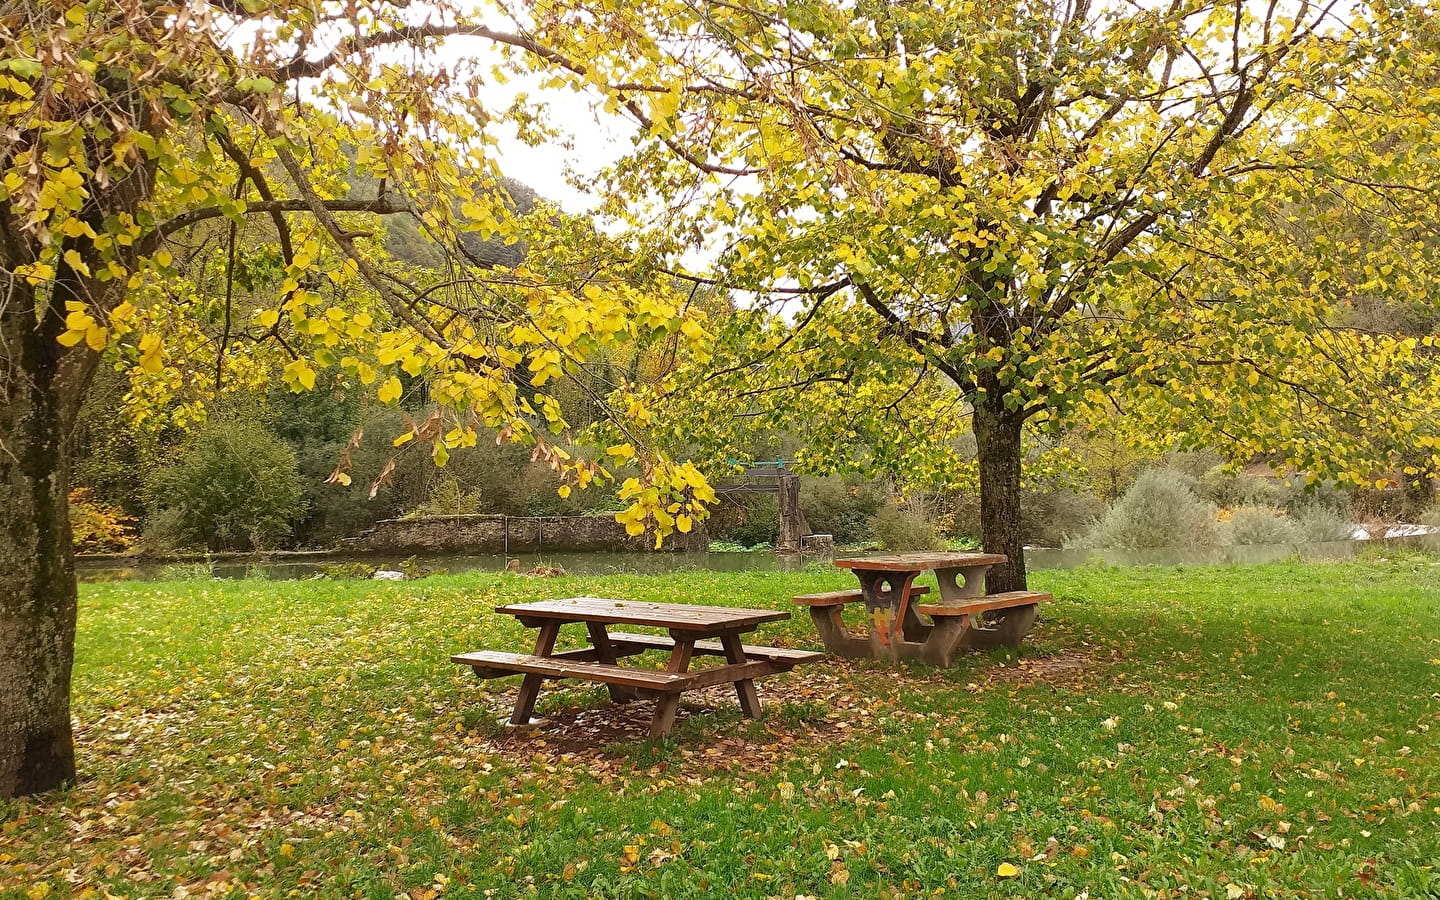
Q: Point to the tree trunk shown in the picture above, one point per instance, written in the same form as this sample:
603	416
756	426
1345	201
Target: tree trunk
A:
997	435
37	566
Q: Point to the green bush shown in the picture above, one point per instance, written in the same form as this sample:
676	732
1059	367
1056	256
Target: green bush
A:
1161	509
1296	497
900	528
841	507
1235	489
318	426
234	487
751	521
449	498
1050	518
1319	521
1260	525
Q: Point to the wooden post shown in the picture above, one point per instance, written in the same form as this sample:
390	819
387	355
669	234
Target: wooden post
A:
792	522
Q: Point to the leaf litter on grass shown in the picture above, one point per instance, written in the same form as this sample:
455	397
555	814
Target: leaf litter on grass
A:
305	741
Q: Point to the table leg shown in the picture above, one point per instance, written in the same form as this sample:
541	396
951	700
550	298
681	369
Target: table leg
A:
1003	628
951	633
605	653
964	583
744	688
914	630
887	596
668	704
530	687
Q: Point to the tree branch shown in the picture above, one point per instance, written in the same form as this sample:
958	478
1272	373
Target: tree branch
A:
380	206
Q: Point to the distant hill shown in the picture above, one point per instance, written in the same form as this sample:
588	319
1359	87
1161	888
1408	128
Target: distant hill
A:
404	240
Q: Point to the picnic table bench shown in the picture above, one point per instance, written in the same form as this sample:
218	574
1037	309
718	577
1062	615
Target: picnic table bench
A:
965	617
693	631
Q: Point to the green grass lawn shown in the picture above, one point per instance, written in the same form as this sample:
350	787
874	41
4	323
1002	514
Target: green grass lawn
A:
1268	731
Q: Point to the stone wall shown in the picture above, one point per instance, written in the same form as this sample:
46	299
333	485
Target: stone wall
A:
513	534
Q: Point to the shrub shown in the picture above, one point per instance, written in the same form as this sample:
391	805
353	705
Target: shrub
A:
899	527
1235	489
1430	517
1193	463
752	521
164	533
1050	518
318	426
1260	525
448	498
1297	497
97	527
1160	509
235	487
1319	521
841	507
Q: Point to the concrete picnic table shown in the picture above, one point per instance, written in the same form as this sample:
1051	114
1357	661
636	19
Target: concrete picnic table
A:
896	630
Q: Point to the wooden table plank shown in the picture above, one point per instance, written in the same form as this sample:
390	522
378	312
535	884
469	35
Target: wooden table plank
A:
681	616
919	562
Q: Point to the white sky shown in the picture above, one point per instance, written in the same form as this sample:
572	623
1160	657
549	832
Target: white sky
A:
598	141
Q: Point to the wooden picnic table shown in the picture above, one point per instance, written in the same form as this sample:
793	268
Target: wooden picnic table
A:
896	630
692	632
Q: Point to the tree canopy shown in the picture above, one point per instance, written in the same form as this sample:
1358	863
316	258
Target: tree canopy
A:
175	192
935	217
968	215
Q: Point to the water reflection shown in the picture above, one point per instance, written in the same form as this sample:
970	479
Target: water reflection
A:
655	563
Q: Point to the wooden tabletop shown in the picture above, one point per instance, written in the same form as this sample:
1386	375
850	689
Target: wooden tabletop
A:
920	562
685	616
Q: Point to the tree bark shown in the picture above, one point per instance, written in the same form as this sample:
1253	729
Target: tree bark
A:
37	567
997	435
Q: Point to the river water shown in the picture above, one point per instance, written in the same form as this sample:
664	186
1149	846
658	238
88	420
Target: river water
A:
310	565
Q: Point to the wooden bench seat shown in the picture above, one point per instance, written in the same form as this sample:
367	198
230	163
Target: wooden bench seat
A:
624	641
973	605
497	664
839	598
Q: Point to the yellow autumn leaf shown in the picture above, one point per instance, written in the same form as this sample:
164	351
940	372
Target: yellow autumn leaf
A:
1006	870
564	491
150	354
300	376
389	391
73	260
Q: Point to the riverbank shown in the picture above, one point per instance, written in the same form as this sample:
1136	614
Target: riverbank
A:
309	564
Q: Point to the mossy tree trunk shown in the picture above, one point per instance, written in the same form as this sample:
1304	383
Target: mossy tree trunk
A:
37	570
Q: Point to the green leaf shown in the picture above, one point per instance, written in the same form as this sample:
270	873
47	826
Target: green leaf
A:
256	85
